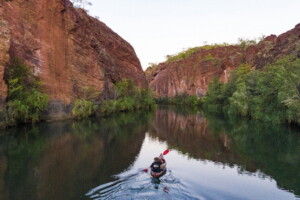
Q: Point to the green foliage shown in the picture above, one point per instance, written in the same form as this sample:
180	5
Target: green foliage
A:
152	66
238	103
86	106
128	98
83	108
26	102
271	94
186	53
214	99
213	46
125	88
244	43
182	55
89	93
209	57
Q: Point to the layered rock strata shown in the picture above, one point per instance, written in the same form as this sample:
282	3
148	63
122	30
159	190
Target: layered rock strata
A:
192	74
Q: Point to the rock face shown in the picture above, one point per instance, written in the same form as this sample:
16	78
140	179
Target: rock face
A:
67	49
192	74
4	56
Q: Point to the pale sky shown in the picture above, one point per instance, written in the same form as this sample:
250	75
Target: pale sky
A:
156	28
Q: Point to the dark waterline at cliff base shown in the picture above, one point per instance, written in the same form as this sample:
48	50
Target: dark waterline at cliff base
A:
210	158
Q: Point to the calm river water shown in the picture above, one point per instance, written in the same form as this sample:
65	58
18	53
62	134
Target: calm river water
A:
210	158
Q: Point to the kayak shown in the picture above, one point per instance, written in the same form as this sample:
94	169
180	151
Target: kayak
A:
163	170
154	174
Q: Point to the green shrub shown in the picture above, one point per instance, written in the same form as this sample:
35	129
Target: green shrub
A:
83	108
271	94
26	101
215	98
244	43
128	98
182	55
209	57
86	106
146	99
186	53
89	93
125	88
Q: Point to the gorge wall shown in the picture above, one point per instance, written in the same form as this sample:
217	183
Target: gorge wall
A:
191	73
67	49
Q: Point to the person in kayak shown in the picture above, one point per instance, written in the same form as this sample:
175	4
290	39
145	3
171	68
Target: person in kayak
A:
158	167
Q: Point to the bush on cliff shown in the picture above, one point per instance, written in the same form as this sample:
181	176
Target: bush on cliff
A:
214	99
181	55
128	97
188	52
83	108
26	101
86	106
270	94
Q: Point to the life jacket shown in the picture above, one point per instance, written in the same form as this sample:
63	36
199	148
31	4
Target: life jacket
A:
155	167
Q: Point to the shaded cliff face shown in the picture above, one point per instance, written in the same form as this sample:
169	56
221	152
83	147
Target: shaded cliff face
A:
65	47
193	73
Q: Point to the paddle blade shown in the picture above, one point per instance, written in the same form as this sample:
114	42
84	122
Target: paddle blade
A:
166	152
145	170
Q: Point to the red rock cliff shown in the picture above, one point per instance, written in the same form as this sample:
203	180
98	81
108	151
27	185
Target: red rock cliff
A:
193	73
65	47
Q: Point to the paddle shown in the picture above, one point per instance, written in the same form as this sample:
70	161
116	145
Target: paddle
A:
164	153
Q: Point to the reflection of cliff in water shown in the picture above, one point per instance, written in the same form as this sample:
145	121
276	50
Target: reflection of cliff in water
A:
251	145
189	134
63	160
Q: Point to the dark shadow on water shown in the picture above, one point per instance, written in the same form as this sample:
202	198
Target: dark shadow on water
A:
63	160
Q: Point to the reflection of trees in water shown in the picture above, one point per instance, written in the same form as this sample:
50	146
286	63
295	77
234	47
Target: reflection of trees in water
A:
15	152
3	169
252	145
274	149
189	134
63	160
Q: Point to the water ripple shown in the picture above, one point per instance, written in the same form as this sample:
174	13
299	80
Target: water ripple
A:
141	186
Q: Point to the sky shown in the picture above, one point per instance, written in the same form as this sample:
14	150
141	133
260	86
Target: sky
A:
157	28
